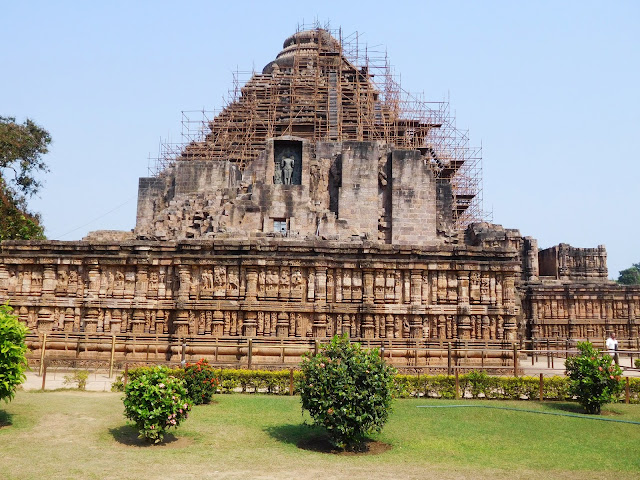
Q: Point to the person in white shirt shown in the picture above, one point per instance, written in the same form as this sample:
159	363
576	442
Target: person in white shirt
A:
612	347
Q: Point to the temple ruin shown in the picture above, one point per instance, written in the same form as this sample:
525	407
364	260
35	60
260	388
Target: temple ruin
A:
322	199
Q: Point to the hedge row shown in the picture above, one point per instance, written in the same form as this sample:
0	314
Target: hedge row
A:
474	385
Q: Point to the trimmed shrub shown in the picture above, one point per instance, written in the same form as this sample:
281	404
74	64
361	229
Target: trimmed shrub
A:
347	391
156	401
78	378
594	378
13	349
201	381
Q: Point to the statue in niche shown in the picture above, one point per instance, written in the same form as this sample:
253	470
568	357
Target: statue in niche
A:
63	281
277	174
287	167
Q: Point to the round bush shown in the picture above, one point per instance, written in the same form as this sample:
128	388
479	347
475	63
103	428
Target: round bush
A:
347	391
200	380
156	401
13	362
594	378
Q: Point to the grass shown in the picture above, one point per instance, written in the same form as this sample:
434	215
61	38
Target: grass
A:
72	434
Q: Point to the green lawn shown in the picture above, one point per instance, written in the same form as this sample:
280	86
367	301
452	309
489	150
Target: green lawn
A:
69	434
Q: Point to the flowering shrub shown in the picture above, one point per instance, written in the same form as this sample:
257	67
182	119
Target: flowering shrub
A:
594	378
12	353
347	391
201	381
156	401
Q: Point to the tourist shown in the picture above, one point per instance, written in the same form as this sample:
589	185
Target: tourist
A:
612	347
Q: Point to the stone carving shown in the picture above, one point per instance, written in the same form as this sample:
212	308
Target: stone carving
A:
287	168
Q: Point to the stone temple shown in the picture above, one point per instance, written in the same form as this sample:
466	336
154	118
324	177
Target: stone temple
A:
322	199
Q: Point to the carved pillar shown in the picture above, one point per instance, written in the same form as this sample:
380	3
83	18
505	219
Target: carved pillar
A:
45	320
252	283
464	322
368	295
91	320
250	325
633	327
389	326
338	280
311	285
485	328
510	328
282	327
184	277
181	321
159	323
367	328
320	325
49	281
321	284
416	287
415	327
463	288
142	282
94	279
217	324
4	279
138	321
69	320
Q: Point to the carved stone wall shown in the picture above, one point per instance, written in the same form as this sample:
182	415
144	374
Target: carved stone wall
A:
565	262
346	191
579	311
234	288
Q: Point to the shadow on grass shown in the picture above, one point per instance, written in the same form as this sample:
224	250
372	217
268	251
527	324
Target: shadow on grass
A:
565	407
315	439
5	419
128	435
292	433
577	408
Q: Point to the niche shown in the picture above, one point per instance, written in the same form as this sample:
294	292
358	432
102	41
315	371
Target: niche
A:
287	156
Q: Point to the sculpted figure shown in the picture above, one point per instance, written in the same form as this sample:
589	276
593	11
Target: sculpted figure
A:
287	167
277	174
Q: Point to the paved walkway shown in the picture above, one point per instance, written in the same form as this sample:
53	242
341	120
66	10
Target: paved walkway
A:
98	380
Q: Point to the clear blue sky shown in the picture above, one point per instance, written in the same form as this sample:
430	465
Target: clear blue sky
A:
550	89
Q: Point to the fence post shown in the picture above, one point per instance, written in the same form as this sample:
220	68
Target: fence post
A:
113	353
457	386
533	353
290	381
42	350
515	359
316	347
541	387
183	359
382	352
250	354
626	391
548	355
126	375
449	358
44	374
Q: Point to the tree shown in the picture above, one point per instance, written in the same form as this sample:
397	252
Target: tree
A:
630	276
13	362
594	378
21	149
347	391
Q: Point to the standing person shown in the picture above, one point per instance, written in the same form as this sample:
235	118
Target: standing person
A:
612	347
